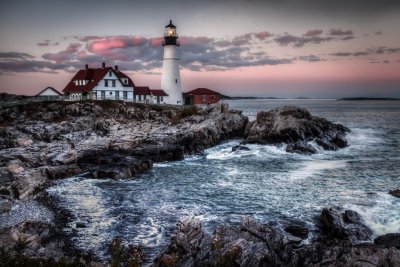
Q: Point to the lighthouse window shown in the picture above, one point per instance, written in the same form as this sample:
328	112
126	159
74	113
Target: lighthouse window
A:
176	80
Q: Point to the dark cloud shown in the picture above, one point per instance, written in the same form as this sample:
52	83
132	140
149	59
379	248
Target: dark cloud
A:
44	43
314	37
312	33
310	58
65	55
384	50
222	43
347	38
371	51
348	54
86	38
296	41
337	32
14	55
25	65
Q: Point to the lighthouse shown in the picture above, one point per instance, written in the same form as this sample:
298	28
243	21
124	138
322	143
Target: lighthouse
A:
171	78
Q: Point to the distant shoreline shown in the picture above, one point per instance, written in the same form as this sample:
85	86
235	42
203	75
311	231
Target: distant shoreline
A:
225	97
367	98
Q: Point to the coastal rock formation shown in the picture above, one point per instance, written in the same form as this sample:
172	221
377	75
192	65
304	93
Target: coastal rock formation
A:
105	139
346	226
252	243
295	127
43	141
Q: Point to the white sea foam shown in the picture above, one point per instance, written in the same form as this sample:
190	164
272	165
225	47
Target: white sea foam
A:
315	167
383	217
259	151
365	137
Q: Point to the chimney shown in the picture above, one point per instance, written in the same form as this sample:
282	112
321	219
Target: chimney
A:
86	66
116	67
103	65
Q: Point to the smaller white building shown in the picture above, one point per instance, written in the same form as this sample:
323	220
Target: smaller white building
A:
101	83
49	93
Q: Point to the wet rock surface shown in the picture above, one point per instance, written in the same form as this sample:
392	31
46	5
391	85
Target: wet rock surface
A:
345	225
395	193
239	148
388	240
252	243
295	127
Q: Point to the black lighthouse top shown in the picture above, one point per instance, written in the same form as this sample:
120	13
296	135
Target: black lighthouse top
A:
170	35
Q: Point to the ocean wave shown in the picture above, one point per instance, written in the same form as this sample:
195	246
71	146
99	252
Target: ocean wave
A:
383	217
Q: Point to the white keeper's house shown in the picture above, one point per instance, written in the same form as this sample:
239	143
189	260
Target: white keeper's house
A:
111	84
100	83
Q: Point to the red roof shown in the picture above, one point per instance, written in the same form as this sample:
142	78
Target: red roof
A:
142	90
94	76
202	91
158	92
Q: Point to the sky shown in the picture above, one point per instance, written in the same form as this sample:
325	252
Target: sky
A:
273	48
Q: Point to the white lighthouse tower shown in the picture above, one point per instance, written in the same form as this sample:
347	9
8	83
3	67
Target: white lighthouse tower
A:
171	78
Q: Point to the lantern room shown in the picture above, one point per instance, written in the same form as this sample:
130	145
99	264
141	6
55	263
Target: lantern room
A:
170	35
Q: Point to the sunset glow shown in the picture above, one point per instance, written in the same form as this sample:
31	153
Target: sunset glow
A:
246	48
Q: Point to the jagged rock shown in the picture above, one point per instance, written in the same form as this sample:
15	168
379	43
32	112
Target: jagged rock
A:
395	193
32	238
297	230
301	147
240	147
5	206
256	244
347	225
295	127
388	240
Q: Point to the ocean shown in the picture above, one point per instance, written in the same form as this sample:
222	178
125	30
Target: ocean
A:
265	182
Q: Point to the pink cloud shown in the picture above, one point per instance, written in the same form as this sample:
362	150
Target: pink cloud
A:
262	35
155	42
102	45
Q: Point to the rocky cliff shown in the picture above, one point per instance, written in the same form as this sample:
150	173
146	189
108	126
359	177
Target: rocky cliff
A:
51	140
